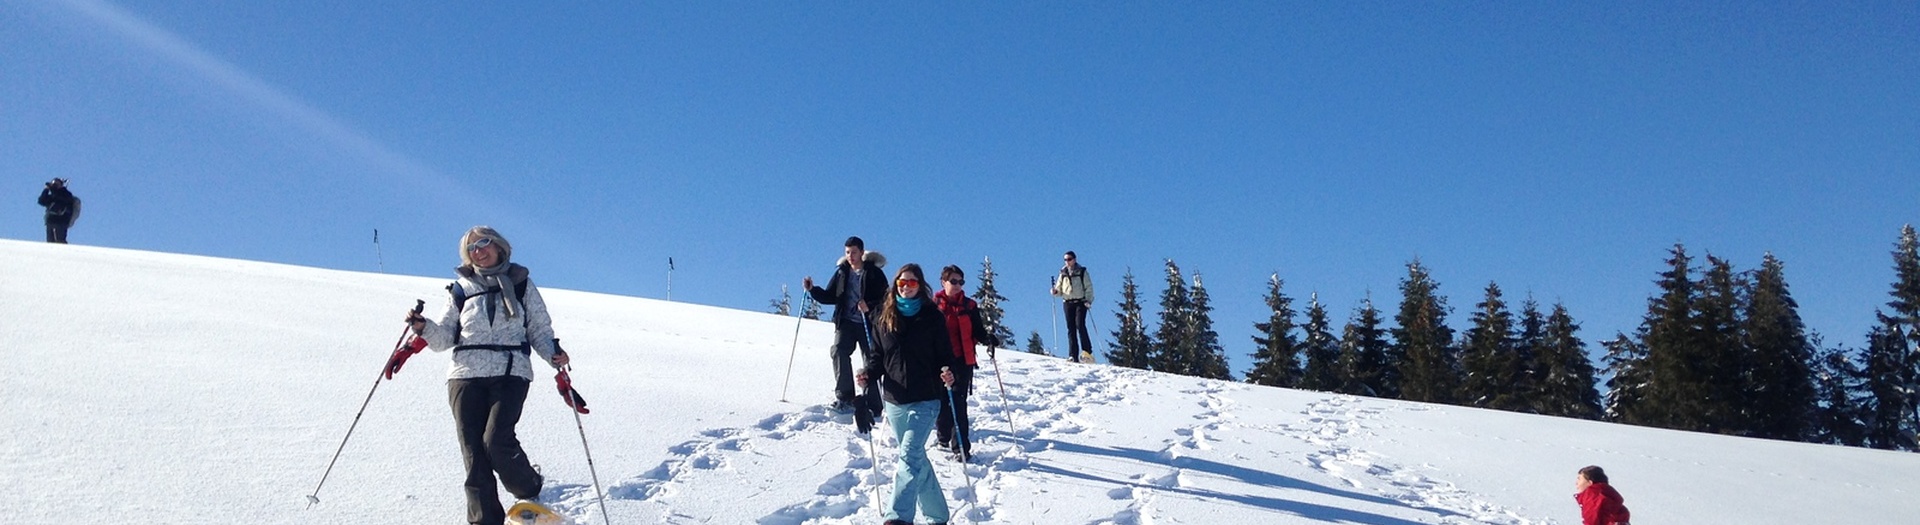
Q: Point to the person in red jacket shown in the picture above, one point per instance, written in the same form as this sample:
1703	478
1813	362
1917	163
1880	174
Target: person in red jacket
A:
964	329
1599	503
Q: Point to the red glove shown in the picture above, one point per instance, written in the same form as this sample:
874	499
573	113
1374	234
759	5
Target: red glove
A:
401	354
568	394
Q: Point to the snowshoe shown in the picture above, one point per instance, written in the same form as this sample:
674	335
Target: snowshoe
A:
533	513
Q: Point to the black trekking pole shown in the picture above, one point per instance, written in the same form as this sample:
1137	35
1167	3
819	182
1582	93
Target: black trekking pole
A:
959	440
399	346
579	406
805	300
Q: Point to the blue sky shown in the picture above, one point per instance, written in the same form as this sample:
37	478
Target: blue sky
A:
1559	149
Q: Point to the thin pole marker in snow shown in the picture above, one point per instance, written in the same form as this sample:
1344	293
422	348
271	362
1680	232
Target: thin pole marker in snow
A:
378	258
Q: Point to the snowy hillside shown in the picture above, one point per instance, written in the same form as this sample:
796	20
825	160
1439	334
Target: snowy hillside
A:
148	387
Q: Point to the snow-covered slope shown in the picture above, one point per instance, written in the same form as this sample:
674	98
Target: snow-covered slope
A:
149	387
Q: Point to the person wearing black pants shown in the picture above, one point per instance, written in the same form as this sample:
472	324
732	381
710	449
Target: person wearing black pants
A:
496	324
964	330
855	291
62	209
1075	289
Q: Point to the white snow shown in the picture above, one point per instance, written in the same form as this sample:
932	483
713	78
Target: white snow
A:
162	388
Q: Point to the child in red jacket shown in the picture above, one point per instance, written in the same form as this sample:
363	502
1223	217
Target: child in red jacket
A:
1599	503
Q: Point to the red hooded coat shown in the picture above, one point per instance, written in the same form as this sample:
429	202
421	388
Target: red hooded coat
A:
1601	505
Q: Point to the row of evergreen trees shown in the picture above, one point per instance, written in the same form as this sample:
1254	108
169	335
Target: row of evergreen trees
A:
1719	350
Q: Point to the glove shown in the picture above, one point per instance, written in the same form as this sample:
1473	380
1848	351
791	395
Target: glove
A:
568	394
400	355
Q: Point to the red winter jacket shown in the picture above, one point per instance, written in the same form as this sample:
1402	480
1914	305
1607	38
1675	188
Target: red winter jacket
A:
1601	505
963	324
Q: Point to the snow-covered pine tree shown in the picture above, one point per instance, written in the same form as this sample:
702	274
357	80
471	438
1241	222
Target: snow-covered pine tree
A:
810	309
1566	386
1628	378
989	300
1035	345
1721	355
1837	417
1885	411
1490	359
1131	347
1779	378
1209	357
1173	341
1363	354
1276	354
1532	371
782	305
1672	383
1428	367
1321	349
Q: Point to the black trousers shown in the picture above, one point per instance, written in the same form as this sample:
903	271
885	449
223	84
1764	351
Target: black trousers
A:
846	335
485	411
944	427
57	231
1077	339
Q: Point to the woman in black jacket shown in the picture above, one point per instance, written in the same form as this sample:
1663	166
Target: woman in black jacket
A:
913	353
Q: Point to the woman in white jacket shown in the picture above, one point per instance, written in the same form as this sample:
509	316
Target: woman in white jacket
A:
495	323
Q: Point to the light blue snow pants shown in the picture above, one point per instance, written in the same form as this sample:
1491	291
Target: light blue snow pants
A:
914	483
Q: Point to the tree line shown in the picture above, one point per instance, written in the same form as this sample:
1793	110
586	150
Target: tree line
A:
1719	350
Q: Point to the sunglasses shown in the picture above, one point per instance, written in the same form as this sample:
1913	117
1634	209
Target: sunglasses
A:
907	284
482	243
957	282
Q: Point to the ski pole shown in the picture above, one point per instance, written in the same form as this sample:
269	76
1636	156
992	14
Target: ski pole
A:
959	440
993	355
595	472
798	318
314	498
874	452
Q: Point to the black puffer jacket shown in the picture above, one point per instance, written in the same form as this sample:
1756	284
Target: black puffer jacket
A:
910	357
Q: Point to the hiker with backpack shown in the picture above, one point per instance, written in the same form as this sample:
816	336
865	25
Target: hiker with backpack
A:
495	323
62	209
1075	291
912	361
964	330
856	289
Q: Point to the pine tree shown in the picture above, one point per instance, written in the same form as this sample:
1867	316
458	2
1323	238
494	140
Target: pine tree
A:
1209	357
1532	370
782	305
1629	377
1566	386
1363	354
1491	359
1173	341
1429	370
1779	378
1672	383
1885	411
1034	345
989	299
809	308
1322	350
1276	356
1719	354
1131	347
1893	364
1837	383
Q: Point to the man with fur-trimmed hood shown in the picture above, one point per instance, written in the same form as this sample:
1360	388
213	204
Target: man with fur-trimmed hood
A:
856	290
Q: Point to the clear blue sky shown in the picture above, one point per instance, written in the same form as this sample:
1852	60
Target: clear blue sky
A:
1557	148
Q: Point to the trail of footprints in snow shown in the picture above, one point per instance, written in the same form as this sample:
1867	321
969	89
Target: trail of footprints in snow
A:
1041	409
1328	424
